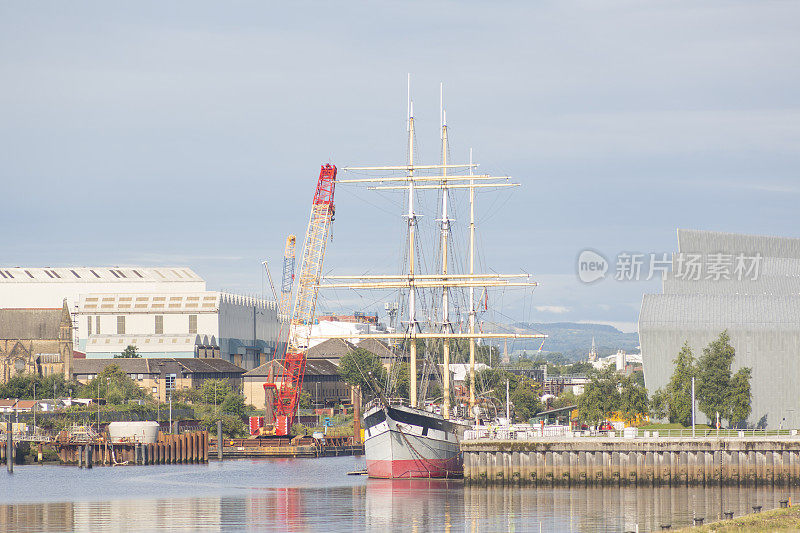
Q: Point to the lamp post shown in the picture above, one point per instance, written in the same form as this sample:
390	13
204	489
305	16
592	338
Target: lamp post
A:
98	403
162	378
34	406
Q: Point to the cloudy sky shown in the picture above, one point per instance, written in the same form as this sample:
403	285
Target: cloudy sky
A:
192	132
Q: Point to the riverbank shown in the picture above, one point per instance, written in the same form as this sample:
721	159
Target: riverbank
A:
774	520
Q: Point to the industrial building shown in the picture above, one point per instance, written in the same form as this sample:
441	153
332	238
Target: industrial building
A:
760	311
162	311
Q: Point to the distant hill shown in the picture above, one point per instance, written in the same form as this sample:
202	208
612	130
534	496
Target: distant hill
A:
572	339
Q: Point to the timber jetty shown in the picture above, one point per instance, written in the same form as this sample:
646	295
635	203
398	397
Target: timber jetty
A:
672	461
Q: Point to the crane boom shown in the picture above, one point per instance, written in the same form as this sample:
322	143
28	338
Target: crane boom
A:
287	395
288	277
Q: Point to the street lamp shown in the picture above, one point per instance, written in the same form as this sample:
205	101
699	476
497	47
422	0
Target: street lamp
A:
34	405
162	378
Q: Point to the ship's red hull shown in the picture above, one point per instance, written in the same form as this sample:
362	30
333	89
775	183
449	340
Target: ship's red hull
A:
415	468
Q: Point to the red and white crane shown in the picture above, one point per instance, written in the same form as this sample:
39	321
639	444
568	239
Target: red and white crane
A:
286	394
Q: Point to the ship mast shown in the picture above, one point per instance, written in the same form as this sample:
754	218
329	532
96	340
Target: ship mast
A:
412	314
412	280
471	289
445	290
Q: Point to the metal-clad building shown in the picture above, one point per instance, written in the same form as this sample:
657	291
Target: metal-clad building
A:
761	315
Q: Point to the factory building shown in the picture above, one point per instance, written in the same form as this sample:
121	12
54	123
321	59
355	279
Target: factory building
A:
162	311
748	285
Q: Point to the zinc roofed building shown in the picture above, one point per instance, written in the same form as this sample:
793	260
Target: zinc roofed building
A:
760	309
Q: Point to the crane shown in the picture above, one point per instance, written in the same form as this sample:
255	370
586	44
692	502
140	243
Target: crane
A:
287	392
288	277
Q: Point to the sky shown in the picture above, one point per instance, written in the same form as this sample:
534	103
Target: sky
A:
191	133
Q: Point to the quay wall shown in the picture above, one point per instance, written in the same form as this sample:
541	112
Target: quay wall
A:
640	461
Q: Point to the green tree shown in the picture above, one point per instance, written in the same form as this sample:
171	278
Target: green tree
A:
401	388
739	397
601	396
633	399
115	386
565	399
714	373
214	391
659	408
678	394
526	401
131	352
356	367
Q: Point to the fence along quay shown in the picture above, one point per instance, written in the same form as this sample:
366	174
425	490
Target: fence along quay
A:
652	460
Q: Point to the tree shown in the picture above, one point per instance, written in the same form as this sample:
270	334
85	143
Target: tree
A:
401	387
356	367
601	396
632	398
678	394
114	385
714	373
131	352
565	399
739	397
214	391
526	401
659	407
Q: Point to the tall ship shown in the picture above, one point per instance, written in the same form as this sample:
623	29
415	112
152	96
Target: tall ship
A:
414	437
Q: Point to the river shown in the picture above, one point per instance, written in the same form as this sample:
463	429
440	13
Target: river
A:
318	495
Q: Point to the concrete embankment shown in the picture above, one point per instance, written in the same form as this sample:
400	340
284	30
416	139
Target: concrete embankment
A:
639	461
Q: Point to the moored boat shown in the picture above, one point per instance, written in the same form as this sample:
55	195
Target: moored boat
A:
405	442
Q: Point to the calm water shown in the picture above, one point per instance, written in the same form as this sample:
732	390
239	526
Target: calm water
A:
317	495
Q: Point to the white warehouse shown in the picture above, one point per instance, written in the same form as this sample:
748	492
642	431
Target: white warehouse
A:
162	311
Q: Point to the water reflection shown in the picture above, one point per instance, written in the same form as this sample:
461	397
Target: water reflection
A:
609	508
248	496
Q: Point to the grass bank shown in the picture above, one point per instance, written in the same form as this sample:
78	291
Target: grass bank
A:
774	520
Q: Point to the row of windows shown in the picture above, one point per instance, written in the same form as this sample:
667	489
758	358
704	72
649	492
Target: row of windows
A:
158	328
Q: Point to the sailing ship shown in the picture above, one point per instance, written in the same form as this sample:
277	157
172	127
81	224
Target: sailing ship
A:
407	439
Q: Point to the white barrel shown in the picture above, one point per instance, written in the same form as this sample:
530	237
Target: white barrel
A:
144	431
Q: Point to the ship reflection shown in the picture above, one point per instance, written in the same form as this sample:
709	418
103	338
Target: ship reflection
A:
414	504
404	505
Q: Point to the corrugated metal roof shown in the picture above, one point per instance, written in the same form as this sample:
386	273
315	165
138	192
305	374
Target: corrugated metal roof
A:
690	240
699	311
768	266
95	274
763	285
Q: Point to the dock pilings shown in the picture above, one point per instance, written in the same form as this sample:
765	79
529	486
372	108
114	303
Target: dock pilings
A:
648	462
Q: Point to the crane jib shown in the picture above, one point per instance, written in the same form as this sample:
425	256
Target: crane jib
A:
286	397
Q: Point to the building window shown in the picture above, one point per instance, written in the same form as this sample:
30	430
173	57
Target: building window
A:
192	323
120	325
88	325
159	324
169	382
97	325
155	390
